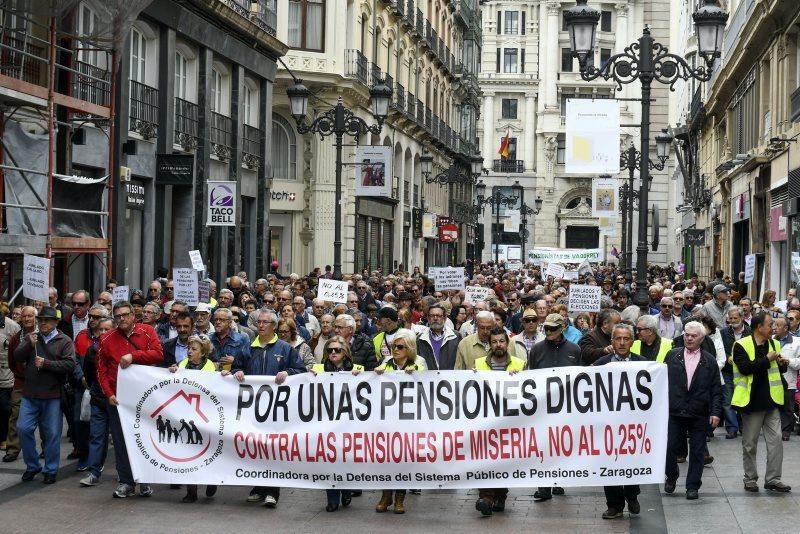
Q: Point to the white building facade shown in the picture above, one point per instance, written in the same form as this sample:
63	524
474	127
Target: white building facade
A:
527	75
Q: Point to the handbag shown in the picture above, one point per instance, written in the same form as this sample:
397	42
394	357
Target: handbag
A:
86	408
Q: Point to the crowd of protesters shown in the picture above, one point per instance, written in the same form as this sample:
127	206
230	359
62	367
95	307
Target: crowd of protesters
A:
732	357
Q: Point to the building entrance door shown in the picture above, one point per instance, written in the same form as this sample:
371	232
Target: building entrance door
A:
582	237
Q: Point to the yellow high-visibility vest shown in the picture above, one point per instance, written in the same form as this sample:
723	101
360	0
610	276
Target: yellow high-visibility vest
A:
743	383
666	346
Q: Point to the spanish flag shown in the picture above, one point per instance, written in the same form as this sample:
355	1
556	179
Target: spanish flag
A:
504	147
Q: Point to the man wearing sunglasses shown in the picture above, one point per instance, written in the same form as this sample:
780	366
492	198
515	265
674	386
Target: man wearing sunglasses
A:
78	319
669	326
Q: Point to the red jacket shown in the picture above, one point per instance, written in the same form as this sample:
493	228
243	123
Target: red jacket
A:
143	344
82	342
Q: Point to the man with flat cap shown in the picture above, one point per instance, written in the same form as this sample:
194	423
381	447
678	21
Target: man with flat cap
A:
718	308
388	327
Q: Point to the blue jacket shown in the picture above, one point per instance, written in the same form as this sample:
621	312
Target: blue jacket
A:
236	345
572	334
270	359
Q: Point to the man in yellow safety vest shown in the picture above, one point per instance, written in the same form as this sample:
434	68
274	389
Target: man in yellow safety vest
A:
650	345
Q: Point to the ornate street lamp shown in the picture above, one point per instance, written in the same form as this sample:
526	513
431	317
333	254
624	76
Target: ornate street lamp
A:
338	121
452	175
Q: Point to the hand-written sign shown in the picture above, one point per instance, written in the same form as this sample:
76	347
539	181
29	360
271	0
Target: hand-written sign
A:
36	278
204	291
119	294
450	279
475	294
749	268
584	298
197	260
556	270
186	285
332	291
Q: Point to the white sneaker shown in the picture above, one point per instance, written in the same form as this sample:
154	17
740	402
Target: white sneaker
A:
270	502
254	496
90	480
124	490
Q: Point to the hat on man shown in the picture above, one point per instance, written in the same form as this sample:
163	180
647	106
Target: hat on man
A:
719	288
555	319
202	308
529	312
387	312
48	312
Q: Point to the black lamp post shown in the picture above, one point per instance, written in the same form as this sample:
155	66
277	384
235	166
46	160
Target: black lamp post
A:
524	211
497	199
645	60
452	175
338	121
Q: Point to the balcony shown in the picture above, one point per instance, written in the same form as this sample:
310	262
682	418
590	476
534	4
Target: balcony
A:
508	165
375	75
261	12
252	143
221	136
399	7
409	14
420	113
428	118
410	101
794	105
91	84
399	97
143	110
22	59
696	109
356	65
186	124
420	23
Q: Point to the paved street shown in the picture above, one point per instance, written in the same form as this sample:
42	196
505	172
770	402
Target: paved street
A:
723	507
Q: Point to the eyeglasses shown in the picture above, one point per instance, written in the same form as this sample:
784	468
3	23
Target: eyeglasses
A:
122	315
79	303
529	320
95	317
334	350
170	288
551	328
352	301
399	347
270	301
641	329
666	306
284	332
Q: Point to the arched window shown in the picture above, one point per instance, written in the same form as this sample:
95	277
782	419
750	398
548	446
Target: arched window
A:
284	149
572	204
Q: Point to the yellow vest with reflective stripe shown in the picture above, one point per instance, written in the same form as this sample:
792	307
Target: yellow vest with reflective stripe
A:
514	364
663	349
742	383
320	367
208	366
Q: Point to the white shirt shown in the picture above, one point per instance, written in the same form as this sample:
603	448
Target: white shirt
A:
79	324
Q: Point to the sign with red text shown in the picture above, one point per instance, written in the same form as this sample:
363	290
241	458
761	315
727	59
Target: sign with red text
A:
566	426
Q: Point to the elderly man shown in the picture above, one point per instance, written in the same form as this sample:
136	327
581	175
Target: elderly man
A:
650	345
225	299
151	314
438	344
49	358
617	496
167	329
695	401
654	292
303	317
469	326
267	356
361	346
758	395
718	307
736	330
388	324
597	342
790	350
669	326
318	308
228	343
325	333
154	292
476	345
365	297
27	323
530	335
78	320
202	322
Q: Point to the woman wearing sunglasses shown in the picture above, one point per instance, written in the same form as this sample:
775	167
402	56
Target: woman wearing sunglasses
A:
404	358
336	358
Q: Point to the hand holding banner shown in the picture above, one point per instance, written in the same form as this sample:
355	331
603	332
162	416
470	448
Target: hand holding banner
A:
556	270
36	278
450	279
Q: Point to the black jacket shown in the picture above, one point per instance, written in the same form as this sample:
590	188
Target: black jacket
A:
546	354
607	359
363	352
169	353
728	339
447	353
704	397
365	301
59	356
593	345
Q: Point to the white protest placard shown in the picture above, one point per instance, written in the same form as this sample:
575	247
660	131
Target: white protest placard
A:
749	268
556	270
585	268
36	278
475	294
584	298
332	290
186	289
570	275
204	291
197	260
450	279
119	294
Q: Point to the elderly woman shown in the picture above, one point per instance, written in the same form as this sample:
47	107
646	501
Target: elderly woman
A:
199	348
404	358
287	331
337	358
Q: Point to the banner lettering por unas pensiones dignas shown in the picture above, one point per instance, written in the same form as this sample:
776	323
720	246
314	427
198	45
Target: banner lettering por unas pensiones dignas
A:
570	426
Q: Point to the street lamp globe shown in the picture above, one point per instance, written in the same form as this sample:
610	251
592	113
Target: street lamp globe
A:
298	99
663	140
381	95
581	21
517	188
709	23
426	164
476	162
538	203
480	191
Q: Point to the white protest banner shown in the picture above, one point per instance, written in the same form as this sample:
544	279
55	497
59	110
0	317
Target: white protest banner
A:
592	130
332	290
119	294
36	278
197	260
749	268
605	192
433	272
221	204
186	288
564	255
570	275
475	294
450	279
556	270
585	268
584	298
565	426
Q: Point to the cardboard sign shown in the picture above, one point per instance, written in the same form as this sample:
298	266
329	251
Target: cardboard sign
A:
749	268
204	291
584	298
36	278
475	294
570	275
556	270
332	290
186	288
197	260
450	279
119	294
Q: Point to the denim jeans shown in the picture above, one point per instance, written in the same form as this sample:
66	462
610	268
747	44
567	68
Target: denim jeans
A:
98	439
45	414
731	416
